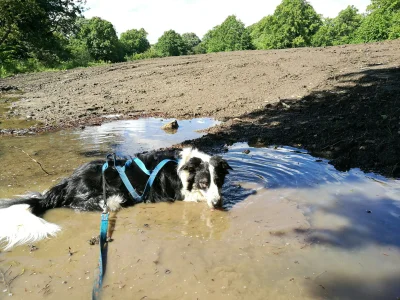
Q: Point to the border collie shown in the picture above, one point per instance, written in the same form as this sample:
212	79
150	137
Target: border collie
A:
198	177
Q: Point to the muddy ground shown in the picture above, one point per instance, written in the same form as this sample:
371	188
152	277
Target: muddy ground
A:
341	103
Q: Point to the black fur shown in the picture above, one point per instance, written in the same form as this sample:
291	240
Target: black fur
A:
83	190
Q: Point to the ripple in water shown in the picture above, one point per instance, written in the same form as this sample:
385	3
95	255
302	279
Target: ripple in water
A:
284	167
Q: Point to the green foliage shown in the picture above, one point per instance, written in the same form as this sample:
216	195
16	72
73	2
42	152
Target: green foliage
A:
340	30
191	41
394	30
386	6
33	22
293	24
231	35
170	44
260	32
37	35
150	53
200	49
380	22
134	41
101	40
79	54
11	66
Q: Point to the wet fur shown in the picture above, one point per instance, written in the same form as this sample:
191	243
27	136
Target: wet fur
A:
198	177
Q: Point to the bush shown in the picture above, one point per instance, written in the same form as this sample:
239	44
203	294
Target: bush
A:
151	53
13	66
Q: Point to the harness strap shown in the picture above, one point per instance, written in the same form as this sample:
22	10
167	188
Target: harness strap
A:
121	171
127	183
139	163
154	175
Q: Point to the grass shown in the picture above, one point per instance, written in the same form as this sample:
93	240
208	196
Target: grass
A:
31	65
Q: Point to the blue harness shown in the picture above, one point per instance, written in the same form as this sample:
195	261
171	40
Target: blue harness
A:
137	198
152	174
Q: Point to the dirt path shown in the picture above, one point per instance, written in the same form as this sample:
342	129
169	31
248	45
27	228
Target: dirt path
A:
342	103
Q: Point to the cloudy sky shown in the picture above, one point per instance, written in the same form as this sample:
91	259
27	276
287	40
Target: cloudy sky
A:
198	16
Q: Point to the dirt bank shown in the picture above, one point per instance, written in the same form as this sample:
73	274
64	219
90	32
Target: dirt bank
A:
342	102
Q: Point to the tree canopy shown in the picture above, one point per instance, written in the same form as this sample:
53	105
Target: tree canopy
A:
37	34
170	44
191	40
134	41
293	24
381	21
34	22
339	30
101	39
231	35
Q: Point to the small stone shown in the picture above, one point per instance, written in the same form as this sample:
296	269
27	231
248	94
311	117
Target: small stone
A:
171	125
247	151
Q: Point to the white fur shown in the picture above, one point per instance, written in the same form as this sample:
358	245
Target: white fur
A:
188	153
114	202
212	195
19	226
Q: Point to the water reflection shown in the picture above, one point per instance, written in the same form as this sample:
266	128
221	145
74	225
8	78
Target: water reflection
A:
131	136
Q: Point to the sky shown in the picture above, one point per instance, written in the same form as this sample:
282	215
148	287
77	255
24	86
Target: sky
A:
198	16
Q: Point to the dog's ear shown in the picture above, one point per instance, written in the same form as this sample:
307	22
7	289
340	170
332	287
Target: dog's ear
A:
191	165
225	165
220	163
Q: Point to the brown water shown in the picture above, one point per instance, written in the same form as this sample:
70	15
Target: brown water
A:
293	228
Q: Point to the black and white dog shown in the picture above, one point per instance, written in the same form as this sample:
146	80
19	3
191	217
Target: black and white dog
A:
198	177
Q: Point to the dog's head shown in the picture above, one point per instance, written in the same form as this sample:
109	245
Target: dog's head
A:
202	176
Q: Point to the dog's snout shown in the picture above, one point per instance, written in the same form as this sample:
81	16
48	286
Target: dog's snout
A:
217	202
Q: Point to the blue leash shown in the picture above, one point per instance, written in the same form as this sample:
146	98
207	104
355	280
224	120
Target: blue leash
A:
103	256
104	216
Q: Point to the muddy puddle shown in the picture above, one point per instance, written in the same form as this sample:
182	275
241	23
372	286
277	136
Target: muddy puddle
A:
293	228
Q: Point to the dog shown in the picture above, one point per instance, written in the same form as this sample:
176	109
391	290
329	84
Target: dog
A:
196	177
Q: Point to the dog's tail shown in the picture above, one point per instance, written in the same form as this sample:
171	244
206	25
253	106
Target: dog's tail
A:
19	223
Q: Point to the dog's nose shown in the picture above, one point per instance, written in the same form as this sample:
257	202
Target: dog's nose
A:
217	202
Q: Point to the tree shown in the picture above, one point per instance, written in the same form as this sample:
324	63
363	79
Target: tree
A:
101	39
340	30
293	24
170	44
134	41
380	21
231	35
191	40
33	22
260	32
394	30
